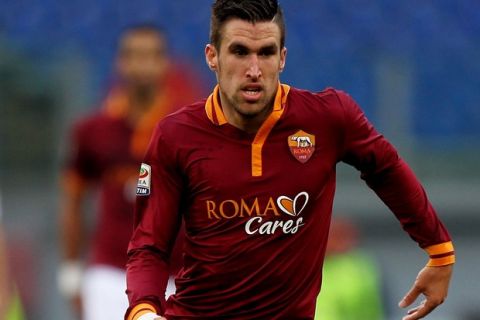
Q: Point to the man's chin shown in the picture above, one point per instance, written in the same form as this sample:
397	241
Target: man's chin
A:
250	115
251	110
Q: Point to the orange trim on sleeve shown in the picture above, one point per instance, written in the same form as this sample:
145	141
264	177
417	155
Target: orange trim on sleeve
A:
441	254
139	310
441	248
438	262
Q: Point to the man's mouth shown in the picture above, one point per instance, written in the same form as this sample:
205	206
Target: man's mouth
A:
252	92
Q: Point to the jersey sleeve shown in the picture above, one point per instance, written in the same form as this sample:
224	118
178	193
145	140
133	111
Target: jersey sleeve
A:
81	157
157	221
394	182
81	166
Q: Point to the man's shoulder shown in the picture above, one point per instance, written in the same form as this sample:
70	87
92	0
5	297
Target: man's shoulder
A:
192	115
96	119
327	93
327	100
98	126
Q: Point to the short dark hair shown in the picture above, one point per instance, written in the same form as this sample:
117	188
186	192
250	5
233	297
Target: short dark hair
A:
248	10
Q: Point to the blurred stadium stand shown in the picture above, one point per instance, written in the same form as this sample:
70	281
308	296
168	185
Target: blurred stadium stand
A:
413	66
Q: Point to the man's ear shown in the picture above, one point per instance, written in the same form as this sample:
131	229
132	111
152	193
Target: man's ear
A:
283	58
211	57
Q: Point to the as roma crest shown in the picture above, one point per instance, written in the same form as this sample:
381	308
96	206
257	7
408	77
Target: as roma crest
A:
302	145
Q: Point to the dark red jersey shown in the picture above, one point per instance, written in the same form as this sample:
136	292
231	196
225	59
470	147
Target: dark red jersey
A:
257	207
106	152
101	156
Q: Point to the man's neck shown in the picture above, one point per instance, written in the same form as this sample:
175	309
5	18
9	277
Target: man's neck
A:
248	124
140	100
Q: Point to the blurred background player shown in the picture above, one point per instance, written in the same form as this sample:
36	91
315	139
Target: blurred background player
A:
105	153
351	286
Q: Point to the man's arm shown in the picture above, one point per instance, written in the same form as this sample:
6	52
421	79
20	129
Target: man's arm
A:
417	216
395	183
71	218
72	238
157	221
76	177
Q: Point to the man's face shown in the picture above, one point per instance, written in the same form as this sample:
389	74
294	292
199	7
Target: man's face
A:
142	59
247	66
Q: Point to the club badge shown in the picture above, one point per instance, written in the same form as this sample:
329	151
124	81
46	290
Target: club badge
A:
302	145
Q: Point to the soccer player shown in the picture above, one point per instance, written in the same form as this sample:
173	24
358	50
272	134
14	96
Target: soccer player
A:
106	150
251	172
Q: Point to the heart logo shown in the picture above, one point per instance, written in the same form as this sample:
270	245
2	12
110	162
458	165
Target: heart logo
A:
293	207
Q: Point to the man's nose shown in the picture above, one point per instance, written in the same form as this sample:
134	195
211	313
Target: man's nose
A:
253	70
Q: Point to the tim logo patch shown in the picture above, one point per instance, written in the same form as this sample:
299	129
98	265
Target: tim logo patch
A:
144	179
302	145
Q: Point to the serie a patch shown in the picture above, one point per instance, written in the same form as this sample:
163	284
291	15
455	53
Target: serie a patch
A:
144	180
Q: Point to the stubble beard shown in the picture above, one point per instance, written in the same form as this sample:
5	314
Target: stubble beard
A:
248	114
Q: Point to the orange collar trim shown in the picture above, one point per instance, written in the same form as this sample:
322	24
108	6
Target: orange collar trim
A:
216	116
116	105
215	113
266	128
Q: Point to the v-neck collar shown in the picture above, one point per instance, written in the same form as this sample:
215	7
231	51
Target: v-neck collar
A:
215	114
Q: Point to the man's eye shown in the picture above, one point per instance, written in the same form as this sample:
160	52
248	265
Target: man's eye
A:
240	52
266	53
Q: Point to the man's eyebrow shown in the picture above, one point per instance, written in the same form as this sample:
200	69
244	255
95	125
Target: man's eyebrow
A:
269	48
239	45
